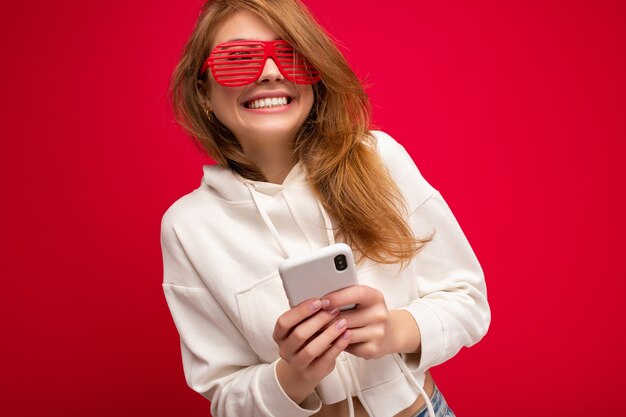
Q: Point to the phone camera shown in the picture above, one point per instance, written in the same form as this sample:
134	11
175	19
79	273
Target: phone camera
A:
340	262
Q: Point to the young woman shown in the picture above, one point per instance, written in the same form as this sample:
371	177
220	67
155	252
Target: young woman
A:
266	93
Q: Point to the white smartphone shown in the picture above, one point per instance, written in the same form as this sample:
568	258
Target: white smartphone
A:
318	273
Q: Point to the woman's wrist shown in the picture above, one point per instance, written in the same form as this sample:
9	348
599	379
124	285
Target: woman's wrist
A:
405	336
292	383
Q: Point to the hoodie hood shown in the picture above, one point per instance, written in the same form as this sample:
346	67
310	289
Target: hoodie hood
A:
276	204
226	184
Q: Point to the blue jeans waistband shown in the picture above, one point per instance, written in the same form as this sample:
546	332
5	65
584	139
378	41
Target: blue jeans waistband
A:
439	406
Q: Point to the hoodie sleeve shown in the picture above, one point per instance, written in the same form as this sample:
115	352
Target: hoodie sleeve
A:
217	360
451	310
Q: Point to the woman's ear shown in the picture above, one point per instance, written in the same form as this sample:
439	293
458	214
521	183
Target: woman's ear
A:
203	94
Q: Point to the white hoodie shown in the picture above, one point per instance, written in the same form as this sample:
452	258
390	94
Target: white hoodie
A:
222	245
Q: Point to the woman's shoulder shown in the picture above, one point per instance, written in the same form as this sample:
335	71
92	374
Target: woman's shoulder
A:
390	150
386	145
183	211
403	170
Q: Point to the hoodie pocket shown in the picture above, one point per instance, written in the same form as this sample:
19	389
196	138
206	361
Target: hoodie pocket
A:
260	305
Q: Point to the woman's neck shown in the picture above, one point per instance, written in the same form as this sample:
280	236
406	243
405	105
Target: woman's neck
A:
275	173
275	163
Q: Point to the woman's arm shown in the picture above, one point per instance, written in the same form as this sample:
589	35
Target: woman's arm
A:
452	309
217	360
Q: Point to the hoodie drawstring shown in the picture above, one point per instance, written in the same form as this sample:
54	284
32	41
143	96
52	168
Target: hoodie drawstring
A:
297	220
352	373
346	388
268	221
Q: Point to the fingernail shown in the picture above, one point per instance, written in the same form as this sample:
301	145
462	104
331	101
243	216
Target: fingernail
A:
315	305
341	324
346	335
334	311
325	303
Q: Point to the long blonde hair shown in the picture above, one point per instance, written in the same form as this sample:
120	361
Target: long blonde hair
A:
334	142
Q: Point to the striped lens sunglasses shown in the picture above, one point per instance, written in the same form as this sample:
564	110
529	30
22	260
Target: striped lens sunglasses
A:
239	63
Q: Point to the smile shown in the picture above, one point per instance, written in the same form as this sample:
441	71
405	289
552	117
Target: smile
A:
268	103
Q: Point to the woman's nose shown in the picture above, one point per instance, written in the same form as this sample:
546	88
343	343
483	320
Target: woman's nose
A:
270	72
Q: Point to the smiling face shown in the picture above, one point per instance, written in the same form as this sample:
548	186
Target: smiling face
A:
266	114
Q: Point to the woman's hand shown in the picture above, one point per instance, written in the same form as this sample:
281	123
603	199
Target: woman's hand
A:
376	331
309	340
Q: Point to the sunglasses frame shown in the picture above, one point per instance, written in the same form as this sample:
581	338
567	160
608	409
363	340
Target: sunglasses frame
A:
230	74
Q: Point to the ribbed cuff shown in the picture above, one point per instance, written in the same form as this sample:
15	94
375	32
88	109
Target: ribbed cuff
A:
278	403
431	332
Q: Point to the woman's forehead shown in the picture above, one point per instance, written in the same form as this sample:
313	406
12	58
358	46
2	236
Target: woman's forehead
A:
243	26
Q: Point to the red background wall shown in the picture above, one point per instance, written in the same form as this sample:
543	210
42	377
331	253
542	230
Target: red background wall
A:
514	110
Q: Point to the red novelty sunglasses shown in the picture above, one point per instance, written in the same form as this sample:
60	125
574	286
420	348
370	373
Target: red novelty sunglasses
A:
238	63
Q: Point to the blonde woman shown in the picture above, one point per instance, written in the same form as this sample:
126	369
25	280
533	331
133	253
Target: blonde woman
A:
265	92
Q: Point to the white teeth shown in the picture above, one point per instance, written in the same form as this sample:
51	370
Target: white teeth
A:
267	102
